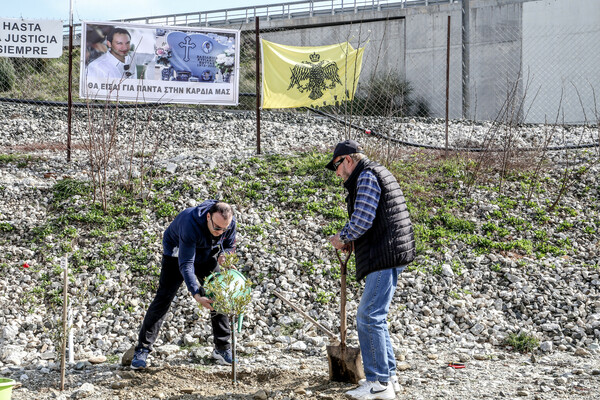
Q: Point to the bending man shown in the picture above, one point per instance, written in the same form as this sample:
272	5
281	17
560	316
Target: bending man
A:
194	246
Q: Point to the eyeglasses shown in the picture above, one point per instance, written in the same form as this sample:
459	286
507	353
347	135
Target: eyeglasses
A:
217	228
338	163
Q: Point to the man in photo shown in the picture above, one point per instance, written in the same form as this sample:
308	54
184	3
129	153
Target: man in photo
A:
115	63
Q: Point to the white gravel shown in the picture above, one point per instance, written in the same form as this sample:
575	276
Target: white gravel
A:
435	318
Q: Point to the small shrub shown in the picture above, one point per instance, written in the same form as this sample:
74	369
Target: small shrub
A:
324	297
230	297
30	65
522	342
421	108
496	267
288	330
564	226
384	92
6	227
21	160
7	75
67	188
164	209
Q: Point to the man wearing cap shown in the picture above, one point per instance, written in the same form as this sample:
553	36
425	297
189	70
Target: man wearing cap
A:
194	245
381	233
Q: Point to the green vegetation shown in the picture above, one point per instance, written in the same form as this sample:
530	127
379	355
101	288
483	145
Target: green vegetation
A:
522	342
230	297
299	186
113	358
6	227
287	190
8	75
288	330
21	160
67	188
41	79
430	187
324	297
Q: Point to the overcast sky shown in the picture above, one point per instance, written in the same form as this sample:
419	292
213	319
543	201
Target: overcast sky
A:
104	10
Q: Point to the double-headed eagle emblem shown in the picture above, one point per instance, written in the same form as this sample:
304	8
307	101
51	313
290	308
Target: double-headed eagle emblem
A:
314	76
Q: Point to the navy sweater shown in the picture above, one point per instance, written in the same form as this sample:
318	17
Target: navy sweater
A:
189	239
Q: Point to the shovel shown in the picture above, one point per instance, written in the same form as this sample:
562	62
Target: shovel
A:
306	316
345	363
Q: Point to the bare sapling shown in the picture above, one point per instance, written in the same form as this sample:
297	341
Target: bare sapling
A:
543	155
499	150
574	170
121	146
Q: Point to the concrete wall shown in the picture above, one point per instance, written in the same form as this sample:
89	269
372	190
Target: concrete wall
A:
417	54
561	49
495	54
528	51
426	57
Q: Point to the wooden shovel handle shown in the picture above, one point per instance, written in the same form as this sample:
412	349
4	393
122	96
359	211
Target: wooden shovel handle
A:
305	315
343	272
343	263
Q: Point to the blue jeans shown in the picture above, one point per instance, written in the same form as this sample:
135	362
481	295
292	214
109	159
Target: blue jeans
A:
378	357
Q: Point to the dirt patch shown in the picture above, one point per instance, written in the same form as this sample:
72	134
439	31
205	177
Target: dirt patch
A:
33	147
182	383
185	382
287	376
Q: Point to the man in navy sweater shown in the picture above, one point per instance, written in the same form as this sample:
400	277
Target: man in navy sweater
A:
194	246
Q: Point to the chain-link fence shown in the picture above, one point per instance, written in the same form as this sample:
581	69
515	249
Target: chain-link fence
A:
542	73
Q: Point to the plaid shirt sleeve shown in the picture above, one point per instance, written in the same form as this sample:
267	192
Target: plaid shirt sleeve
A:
365	206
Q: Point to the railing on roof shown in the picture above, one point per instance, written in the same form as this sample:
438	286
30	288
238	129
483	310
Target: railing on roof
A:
286	10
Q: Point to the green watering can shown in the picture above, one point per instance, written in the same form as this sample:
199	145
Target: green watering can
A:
6	386
238	284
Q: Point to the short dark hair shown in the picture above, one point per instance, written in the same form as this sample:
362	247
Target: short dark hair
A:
123	31
222	208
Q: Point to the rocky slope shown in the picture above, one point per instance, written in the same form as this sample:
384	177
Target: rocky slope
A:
457	302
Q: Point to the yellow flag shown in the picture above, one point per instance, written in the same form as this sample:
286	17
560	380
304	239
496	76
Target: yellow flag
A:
318	76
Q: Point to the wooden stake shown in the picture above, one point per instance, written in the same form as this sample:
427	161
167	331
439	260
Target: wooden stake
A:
63	264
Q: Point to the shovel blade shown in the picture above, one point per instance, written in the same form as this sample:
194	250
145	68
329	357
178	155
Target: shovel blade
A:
345	364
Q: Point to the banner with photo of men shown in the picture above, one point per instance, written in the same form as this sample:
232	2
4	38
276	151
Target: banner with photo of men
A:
151	63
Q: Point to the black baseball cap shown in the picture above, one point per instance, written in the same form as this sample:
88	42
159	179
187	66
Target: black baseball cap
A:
344	148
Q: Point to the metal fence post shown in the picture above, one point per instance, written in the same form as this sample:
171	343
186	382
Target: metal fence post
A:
258	83
466	112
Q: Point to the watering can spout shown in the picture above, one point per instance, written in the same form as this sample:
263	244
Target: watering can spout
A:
239	323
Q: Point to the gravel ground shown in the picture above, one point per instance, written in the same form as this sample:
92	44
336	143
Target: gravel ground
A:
435	318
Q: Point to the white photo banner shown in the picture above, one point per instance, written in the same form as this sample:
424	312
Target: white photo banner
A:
28	38
153	63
